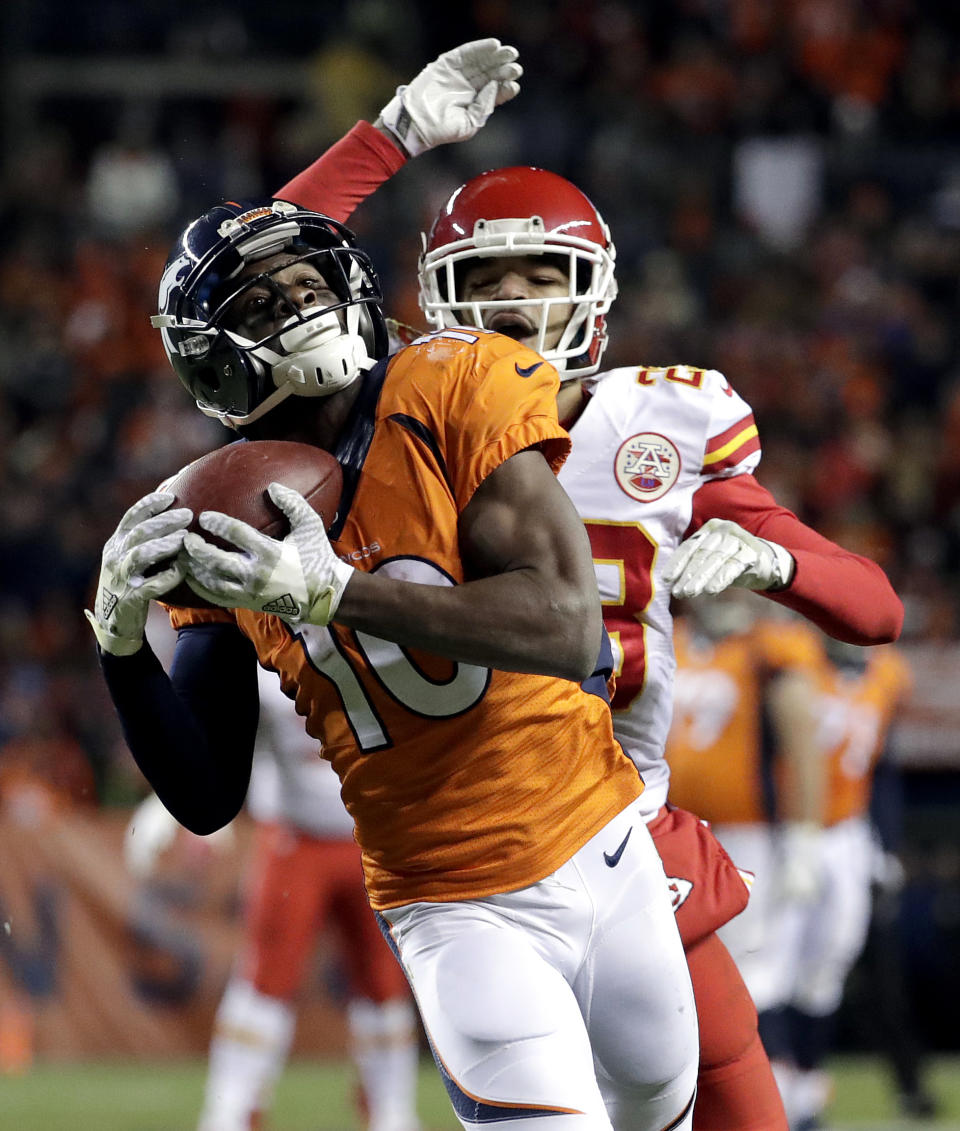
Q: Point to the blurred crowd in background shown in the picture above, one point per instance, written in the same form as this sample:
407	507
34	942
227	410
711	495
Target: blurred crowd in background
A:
781	177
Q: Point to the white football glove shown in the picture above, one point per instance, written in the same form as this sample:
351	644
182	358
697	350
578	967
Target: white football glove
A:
453	96
300	578
800	872
147	534
721	554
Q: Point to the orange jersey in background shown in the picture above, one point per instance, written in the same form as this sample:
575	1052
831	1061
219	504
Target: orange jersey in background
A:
462	781
715	745
854	713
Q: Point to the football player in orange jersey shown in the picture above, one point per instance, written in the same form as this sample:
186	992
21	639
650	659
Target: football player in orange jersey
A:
815	941
741	740
497	816
658	454
743	720
304	864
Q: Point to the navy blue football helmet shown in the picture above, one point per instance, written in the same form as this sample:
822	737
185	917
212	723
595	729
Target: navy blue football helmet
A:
317	349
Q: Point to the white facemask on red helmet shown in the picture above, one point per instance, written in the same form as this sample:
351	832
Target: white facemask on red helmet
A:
521	211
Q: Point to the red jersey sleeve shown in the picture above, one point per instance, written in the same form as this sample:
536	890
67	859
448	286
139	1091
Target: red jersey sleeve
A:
848	596
343	177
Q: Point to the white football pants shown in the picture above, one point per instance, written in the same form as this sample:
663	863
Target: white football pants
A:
814	944
547	1007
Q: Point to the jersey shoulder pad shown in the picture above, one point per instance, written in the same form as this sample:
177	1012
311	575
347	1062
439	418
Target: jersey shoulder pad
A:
684	383
692	378
467	356
461	342
482	396
694	405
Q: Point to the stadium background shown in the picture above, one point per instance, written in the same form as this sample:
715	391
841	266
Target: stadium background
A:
782	178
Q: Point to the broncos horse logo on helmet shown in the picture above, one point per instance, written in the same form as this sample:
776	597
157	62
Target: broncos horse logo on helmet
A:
522	211
317	349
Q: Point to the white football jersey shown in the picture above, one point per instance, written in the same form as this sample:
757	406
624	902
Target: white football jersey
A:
290	782
646	440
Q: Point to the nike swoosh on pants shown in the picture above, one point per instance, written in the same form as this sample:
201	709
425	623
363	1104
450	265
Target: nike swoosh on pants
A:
614	860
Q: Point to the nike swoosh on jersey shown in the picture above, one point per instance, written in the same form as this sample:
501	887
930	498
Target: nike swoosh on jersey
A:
527	370
614	860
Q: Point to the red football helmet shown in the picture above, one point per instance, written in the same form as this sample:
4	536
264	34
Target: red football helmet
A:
524	211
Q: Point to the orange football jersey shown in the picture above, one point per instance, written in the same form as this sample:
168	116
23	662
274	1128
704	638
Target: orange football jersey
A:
854	712
715	745
462	781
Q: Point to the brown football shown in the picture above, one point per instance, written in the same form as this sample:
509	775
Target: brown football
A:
234	479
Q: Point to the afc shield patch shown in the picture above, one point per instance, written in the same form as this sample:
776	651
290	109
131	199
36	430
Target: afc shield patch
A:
646	466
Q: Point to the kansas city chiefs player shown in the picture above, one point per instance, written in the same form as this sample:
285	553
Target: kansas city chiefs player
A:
662	475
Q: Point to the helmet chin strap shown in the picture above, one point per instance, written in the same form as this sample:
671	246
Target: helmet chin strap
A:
573	328
238	420
319	359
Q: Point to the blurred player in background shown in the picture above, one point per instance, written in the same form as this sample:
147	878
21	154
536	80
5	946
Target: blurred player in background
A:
306	875
814	942
303	877
502	843
743	726
660	454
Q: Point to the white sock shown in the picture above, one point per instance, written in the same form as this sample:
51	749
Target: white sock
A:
383	1041
812	1091
785	1075
251	1040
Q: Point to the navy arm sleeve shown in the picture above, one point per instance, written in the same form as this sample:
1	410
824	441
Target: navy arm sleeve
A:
191	733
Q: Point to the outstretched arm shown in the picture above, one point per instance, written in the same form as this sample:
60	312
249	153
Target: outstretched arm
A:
448	101
846	595
351	170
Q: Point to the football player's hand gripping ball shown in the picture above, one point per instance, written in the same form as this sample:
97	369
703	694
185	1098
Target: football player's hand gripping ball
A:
453	96
299	578
721	554
148	535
